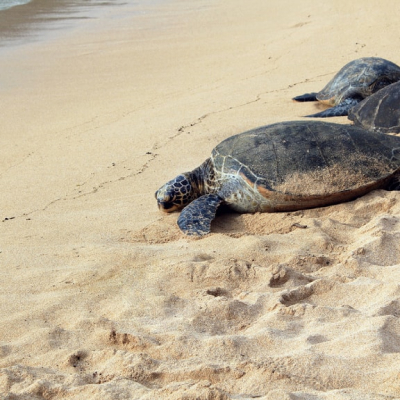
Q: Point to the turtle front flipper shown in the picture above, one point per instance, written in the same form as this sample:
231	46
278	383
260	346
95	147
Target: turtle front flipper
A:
341	110
195	218
306	97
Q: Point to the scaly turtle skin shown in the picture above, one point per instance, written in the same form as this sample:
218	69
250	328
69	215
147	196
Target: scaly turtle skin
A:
379	112
354	82
282	167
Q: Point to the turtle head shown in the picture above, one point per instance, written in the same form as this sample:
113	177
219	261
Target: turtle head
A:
176	194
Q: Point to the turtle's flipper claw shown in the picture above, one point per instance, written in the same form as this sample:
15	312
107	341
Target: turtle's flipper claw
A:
306	97
341	110
195	218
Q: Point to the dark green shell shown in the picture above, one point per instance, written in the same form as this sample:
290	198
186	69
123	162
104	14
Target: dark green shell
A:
359	79
307	159
379	112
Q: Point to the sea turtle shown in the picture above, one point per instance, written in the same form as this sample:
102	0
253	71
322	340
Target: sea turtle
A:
354	82
379	112
282	167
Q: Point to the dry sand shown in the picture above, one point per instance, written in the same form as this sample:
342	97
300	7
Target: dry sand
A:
102	296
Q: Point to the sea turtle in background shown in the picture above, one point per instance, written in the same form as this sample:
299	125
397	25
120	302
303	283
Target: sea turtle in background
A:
354	82
282	167
379	112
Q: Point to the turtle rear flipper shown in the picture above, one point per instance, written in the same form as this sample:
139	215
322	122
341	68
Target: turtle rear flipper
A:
306	97
340	110
195	218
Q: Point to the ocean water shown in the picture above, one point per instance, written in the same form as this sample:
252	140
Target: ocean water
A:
26	21
4	4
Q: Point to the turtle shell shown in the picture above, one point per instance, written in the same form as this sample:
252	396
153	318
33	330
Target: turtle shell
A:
379	112
359	79
302	164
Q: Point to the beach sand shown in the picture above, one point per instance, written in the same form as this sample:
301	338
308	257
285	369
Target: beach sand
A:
102	296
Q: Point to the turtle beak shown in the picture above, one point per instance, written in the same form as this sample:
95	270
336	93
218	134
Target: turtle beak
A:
165	202
165	206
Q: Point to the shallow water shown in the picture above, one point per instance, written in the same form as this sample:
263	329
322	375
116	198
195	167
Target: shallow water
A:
24	21
11	3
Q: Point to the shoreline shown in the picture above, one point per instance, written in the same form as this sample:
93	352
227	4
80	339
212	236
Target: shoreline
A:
11	4
41	20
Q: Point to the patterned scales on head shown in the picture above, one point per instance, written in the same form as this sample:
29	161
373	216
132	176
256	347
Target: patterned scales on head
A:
284	167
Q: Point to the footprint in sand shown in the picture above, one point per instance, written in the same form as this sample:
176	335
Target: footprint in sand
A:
285	276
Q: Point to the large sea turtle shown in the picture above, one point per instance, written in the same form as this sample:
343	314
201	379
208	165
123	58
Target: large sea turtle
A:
379	112
282	167
354	82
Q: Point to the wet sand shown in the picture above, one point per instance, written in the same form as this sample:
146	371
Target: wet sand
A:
102	296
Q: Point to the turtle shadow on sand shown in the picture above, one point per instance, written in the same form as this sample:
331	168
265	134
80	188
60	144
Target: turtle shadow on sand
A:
228	221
